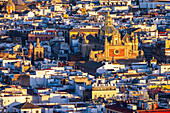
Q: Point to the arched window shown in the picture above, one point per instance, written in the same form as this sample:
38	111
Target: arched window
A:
116	41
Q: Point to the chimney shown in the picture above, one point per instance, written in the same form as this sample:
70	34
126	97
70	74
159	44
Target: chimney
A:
27	99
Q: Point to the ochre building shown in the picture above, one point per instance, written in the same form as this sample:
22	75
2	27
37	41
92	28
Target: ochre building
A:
116	47
167	50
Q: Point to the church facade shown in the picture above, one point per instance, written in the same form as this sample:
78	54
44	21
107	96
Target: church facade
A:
116	47
37	52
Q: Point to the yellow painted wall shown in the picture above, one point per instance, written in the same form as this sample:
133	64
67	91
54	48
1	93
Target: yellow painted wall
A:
106	94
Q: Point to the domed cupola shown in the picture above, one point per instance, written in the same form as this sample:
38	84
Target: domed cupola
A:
10	7
108	26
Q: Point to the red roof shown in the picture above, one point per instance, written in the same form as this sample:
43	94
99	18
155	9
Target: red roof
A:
154	111
163	35
119	109
162	32
47	69
51	31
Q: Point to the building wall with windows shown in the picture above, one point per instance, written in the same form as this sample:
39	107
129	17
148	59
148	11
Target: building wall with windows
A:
165	68
104	92
115	2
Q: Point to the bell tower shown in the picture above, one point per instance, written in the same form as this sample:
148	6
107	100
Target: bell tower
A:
38	51
116	38
108	20
136	42
106	47
30	50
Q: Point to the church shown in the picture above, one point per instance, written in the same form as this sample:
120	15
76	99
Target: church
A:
116	47
37	52
10	7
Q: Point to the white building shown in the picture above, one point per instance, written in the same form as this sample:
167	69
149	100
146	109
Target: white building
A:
149	4
110	67
164	68
40	79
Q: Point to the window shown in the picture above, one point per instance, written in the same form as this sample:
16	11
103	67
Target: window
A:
95	96
36	54
116	41
37	111
25	112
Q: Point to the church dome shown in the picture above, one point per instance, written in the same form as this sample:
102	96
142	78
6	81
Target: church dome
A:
108	27
10	7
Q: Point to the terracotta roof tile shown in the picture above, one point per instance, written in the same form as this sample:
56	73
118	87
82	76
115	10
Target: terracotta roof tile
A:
26	105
